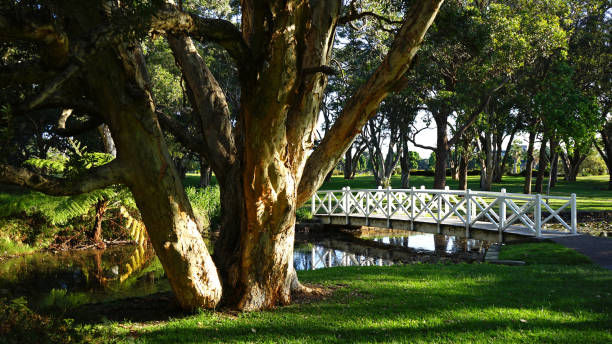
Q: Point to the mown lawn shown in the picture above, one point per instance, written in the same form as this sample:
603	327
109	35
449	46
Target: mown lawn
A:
591	192
558	297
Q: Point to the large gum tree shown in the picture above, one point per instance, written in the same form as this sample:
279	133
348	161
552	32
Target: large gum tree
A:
90	59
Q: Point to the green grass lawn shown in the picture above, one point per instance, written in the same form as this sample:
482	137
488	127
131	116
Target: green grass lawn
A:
592	192
558	297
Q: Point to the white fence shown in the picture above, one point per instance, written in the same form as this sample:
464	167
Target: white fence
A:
505	211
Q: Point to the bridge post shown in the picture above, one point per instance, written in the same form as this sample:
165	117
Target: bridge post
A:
312	204
574	211
367	214
440	195
388	191
538	215
346	202
412	209
468	213
446	198
502	215
329	203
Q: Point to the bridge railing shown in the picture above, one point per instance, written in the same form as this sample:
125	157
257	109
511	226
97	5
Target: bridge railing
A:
505	211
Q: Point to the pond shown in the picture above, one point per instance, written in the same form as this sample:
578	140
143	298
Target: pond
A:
58	282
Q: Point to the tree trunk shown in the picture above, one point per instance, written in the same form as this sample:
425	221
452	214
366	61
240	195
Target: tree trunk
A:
97	227
497	163
506	158
463	165
166	212
554	154
405	163
542	162
205	172
281	51
529	163
566	166
348	163
107	140
606	151
441	151
488	163
151	176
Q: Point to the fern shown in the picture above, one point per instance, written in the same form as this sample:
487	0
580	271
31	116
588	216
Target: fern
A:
57	210
50	165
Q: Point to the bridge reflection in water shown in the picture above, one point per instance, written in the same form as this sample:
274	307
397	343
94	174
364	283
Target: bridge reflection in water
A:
346	250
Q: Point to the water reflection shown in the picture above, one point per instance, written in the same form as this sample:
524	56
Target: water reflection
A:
66	280
316	252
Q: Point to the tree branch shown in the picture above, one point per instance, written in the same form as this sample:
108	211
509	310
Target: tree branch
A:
95	178
321	69
82	127
420	145
210	105
474	116
180	132
364	103
29	72
352	16
55	84
219	31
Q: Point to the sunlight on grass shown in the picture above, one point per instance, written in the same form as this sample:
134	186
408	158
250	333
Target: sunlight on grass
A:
558	297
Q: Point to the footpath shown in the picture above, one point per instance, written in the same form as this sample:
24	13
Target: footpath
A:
598	249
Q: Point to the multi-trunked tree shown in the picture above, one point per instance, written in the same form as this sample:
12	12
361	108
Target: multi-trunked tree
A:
265	159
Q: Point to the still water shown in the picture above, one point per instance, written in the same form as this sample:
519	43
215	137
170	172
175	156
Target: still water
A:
64	280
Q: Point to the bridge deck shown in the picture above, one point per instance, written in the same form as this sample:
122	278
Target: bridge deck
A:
479	230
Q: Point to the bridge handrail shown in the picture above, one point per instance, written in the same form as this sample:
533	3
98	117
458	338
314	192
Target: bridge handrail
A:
501	209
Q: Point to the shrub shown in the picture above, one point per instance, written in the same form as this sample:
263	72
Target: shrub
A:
303	214
206	204
19	324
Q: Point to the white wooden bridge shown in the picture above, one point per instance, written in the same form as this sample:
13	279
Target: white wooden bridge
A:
483	215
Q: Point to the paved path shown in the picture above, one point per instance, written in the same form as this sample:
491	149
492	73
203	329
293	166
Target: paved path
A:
596	248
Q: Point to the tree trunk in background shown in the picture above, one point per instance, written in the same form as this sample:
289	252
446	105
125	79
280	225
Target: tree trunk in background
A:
348	163
497	145
606	151
97	227
542	162
441	151
505	158
405	163
454	166
571	164
107	140
554	154
488	163
205	173
355	161
463	165
529	163
565	164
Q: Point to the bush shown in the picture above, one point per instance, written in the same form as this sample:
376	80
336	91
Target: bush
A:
19	324
206	204
303	214
431	173
593	165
